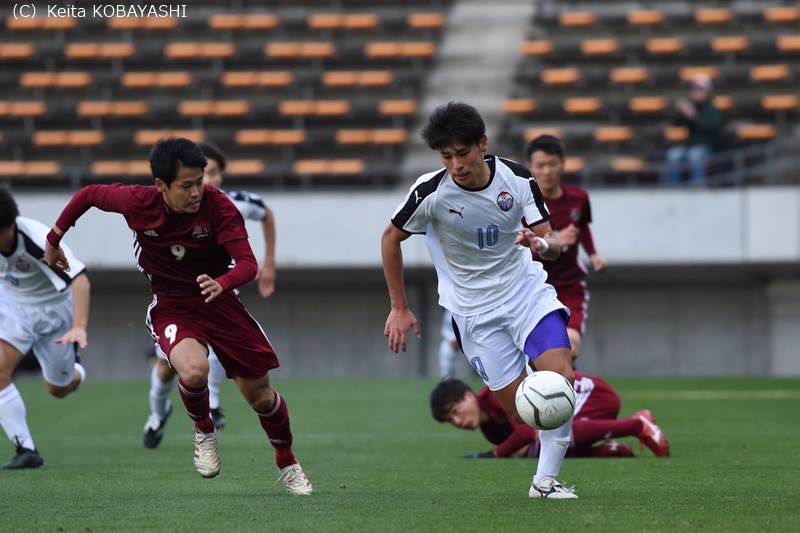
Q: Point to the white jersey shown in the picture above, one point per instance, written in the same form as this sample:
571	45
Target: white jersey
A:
250	205
470	234
26	278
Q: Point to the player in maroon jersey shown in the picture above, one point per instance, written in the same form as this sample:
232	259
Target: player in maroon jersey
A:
185	236
597	406
570	215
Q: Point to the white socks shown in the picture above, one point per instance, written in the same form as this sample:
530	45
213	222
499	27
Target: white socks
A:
554	444
216	375
159	393
12	417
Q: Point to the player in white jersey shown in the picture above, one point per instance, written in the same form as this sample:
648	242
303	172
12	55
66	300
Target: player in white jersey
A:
163	376
42	309
476	212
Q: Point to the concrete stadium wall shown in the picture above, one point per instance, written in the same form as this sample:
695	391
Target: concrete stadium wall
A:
702	283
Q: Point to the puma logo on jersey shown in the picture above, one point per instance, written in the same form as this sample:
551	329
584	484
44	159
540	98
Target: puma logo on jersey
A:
417	196
451	210
151	233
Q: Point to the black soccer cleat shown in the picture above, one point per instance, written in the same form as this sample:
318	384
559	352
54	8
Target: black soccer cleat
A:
25	458
218	418
154	429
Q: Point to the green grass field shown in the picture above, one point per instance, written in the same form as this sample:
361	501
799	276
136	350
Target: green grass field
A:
378	462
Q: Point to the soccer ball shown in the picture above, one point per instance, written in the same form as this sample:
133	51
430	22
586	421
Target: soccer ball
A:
545	400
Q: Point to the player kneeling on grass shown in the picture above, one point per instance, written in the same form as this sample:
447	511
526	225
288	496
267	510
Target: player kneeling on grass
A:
185	238
43	309
505	315
595	420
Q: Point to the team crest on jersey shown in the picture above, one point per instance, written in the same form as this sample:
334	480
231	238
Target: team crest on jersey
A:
201	232
22	265
505	201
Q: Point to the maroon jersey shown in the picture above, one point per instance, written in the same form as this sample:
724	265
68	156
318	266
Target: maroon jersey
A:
504	432
595	399
572	207
172	249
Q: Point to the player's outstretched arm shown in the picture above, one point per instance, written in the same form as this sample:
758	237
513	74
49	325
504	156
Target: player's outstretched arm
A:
400	316
54	255
80	320
266	273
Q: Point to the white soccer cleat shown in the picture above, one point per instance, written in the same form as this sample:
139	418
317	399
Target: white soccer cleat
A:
295	480
206	455
552	489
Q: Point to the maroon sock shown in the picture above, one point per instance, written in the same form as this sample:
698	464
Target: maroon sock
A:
587	432
276	424
196	401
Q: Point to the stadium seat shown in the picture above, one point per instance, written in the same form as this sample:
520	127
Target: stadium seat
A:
628	164
120	168
199	50
361	21
149	137
279	78
560	76
531	133
645	17
756	132
628	75
713	15
12	168
328	166
582	105
425	20
676	133
594	47
142	23
518	106
288	137
199	108
723	102
108	108
244	167
156	79
577	18
648	104
258	137
780	102
397	107
788	43
769	73
99	50
396	49
687	74
251	21
573	164
17	50
296	50
782	14
730	44
41	23
536	48
664	45
55	79
68	138
349	78
613	134
41	169
374	136
24	109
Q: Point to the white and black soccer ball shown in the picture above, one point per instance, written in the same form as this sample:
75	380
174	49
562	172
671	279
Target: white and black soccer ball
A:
545	400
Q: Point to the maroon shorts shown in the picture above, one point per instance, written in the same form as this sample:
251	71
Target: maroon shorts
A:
603	402
224	324
576	298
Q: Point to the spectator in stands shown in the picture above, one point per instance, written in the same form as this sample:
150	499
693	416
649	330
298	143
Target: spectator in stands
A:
596	410
704	122
570	216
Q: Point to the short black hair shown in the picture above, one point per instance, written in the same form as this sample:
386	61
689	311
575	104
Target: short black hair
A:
446	393
548	144
455	122
8	208
212	151
168	155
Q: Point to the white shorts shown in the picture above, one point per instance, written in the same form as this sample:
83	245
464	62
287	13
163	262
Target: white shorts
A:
26	326
494	341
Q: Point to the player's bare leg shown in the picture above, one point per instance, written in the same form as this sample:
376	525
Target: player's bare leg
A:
12	413
190	359
274	417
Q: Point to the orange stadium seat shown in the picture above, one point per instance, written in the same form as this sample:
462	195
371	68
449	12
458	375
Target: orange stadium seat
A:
573	164
26	109
345	78
645	17
352	136
99	50
713	15
582	105
782	14
120	168
244	167
560	76
577	18
518	106
376	136
253	21
108	108
17	50
278	78
73	79
37	79
156	79
628	74
769	73
722	102
325	21
397	107
314	107
425	20
531	133
55	79
647	104
730	44
142	23
687	74
12	168
288	137
613	134
328	166
676	133
384	49
664	45
756	132
594	47
361	21
536	48
41	23
199	50
296	50
628	164
149	137
780	102
41	169
68	138
788	43
194	108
